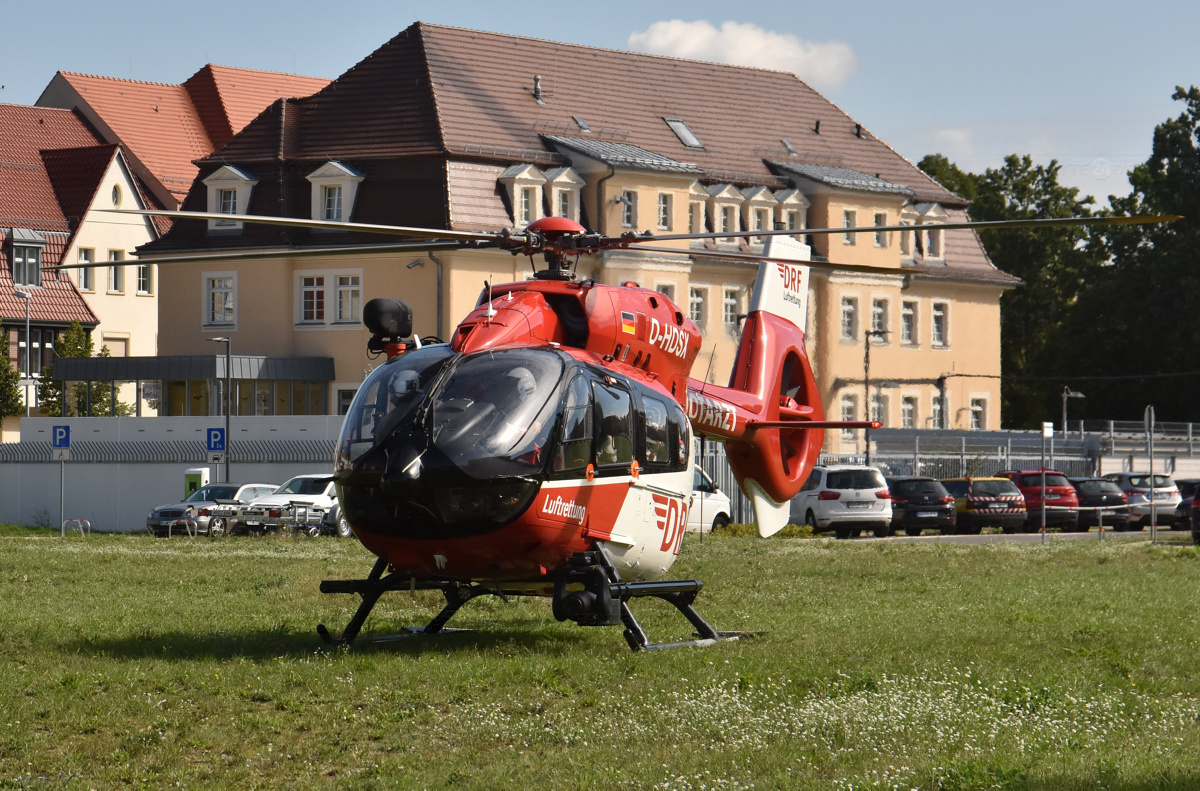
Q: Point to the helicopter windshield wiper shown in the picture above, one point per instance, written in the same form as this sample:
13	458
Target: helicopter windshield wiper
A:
434	387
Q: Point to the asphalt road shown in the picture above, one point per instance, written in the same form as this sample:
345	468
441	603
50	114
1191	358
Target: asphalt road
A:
1032	538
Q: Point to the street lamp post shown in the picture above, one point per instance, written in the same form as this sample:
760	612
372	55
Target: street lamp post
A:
1068	393
25	295
228	403
867	335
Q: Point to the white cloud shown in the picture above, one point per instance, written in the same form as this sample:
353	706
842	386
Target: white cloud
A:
825	65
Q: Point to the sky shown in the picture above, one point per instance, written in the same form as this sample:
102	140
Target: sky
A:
1084	83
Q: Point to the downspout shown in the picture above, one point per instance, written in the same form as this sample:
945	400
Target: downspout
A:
441	335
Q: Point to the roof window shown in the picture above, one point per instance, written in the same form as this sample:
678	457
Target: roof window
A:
684	134
582	124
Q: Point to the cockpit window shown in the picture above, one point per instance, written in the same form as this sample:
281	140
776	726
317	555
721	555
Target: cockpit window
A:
496	405
575	449
657	450
389	393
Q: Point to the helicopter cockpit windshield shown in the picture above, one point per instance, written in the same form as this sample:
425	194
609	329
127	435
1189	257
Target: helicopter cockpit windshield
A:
496	405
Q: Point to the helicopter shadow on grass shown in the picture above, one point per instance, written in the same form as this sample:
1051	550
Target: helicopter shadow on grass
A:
285	641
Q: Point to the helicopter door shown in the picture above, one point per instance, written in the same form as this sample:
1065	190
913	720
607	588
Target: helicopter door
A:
614	429
575	449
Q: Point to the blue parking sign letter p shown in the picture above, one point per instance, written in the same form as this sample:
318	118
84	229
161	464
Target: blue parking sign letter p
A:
216	439
61	438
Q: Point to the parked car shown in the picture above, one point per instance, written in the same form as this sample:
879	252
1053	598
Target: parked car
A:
1187	492
986	502
1137	489
710	506
1062	501
1101	493
1195	521
846	499
298	497
919	503
199	504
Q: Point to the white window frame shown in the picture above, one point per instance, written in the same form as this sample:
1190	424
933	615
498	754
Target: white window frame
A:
331	289
941	306
936	408
697	208
882	238
849	317
697	308
665	218
206	293
353	290
724	199
848	409
319	288
849	220
666	288
977	412
564	184
87	275
334	175
528	198
910	407
881	307
30	262
224	179
791	211
731	301
934	243
628	201
116	274
910	331
879	407
146	270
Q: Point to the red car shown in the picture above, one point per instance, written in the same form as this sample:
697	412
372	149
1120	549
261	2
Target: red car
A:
1062	501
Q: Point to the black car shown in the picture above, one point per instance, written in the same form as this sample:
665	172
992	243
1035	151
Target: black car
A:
1101	493
919	503
1187	493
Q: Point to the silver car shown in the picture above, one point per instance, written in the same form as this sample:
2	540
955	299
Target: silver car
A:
1138	487
845	499
169	519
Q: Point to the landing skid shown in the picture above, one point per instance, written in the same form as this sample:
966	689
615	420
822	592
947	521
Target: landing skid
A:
608	608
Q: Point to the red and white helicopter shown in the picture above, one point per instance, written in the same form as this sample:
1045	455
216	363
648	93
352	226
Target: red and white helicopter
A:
547	448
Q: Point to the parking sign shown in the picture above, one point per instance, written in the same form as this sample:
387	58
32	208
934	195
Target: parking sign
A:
60	437
216	440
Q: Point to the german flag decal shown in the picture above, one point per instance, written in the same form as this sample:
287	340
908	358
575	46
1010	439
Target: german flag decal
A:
628	324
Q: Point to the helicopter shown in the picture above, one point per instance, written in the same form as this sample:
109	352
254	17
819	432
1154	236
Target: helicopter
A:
546	449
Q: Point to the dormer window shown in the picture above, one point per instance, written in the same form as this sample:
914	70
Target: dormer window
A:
27	257
908	216
931	215
791	210
697	201
685	135
524	184
563	187
229	191
724	203
334	188
758	208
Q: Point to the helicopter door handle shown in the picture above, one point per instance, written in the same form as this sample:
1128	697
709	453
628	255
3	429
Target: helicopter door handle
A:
591	472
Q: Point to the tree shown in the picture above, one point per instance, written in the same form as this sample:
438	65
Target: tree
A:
11	403
1138	321
1055	265
77	343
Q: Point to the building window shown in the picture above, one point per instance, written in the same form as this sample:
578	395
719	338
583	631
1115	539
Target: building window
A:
312	298
934	247
220	299
729	220
881	237
227	203
850	318
87	275
529	197
729	308
935	412
664	211
978	414
908	323
906	242
332	202
879	319
941	324
229	191
908	412
693	214
879	408
116	274
145	284
349	298
849	220
667	290
629	208
684	134
792	220
27	266
564	204
696	306
344	399
849	413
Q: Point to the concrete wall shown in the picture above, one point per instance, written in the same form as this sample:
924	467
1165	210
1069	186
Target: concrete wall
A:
116	496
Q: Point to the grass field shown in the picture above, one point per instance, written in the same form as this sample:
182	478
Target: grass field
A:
132	662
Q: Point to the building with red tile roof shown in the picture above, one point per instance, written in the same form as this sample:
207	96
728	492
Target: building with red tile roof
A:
164	128
458	129
55	171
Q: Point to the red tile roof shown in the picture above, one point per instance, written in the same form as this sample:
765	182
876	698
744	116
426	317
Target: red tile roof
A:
27	197
166	127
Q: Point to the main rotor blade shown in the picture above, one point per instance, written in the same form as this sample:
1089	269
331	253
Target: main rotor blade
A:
716	254
1144	219
328	225
289	252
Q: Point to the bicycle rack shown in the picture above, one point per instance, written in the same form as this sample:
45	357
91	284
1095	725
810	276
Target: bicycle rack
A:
76	524
189	525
